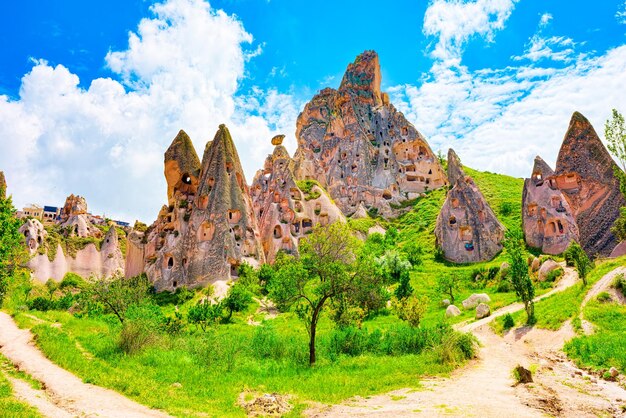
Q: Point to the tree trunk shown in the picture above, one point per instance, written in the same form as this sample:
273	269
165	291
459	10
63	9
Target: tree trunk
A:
312	343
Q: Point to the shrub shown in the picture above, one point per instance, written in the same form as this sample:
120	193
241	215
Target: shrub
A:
72	281
135	336
41	304
603	297
554	275
456	347
508	322
412	309
619	283
506	208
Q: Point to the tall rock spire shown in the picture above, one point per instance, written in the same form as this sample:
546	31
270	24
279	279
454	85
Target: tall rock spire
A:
360	148
182	167
467	230
585	174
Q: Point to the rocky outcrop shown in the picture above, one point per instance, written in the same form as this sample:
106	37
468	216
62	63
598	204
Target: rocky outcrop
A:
34	234
467	230
75	219
585	174
209	227
87	262
547	217
360	148
547	267
287	209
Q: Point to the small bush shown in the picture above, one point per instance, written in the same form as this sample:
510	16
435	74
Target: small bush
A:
41	304
508	322
72	281
619	283
554	275
135	336
506	208
603	297
456	347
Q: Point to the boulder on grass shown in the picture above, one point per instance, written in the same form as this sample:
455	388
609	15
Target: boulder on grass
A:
452	311
445	302
546	268
482	311
536	263
475	299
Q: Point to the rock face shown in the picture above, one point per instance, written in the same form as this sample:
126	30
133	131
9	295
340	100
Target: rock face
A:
34	234
547	217
584	173
209	227
75	219
467	230
286	209
360	148
87	262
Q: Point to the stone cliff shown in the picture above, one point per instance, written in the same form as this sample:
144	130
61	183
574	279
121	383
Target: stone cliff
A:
287	209
467	230
360	148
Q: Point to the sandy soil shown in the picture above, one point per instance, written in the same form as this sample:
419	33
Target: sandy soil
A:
486	388
65	394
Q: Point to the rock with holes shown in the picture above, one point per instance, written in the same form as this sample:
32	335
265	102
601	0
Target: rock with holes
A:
288	209
209	227
360	148
452	311
34	234
546	268
482	311
75	219
475	299
547	218
467	230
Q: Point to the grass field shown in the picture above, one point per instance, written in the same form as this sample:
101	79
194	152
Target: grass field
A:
9	405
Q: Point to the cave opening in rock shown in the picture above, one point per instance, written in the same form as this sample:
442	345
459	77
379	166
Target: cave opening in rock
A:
170	263
186	178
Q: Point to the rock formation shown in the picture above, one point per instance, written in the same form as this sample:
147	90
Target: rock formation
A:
3	185
209	227
360	148
287	209
75	220
467	230
87	262
34	234
584	173
547	217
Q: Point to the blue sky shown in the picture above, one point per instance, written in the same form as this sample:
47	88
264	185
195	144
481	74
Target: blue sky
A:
91	93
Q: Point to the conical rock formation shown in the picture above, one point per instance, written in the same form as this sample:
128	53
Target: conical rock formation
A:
75	220
585	174
287	209
208	229
547	217
467	230
360	148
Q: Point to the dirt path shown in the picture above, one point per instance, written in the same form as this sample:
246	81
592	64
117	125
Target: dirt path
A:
485	388
65	394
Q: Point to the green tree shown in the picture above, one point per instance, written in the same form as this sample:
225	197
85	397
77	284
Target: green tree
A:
393	266
412	309
204	313
237	299
580	260
12	250
326	270
118	294
448	284
518	272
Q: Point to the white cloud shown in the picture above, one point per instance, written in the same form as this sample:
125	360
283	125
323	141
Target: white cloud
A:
546	18
555	48
454	22
182	69
620	15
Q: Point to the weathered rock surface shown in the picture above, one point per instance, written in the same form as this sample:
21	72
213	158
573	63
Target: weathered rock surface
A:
208	229
547	267
584	173
467	230
285	211
452	311
482	311
475	299
86	263
619	250
75	220
535	264
360	148
34	234
548	219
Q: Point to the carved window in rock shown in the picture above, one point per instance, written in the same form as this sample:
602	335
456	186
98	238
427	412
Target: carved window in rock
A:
318	208
170	262
186	179
295	193
210	183
452	221
465	233
404	131
555	202
206	231
278	232
298	206
430	171
229	167
354	168
234	269
560	228
538	178
295	228
234	215
307	225
276	197
455	203
237	233
387	195
324	220
531	209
